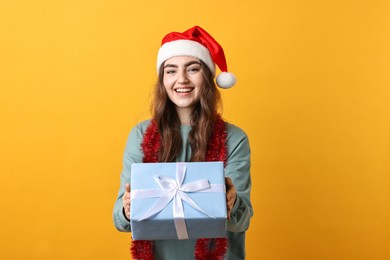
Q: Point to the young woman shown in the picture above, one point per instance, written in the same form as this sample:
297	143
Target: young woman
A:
187	127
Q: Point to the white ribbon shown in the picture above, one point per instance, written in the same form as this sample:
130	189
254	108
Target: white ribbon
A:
176	190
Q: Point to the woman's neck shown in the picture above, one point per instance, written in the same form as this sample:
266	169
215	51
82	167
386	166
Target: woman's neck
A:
184	115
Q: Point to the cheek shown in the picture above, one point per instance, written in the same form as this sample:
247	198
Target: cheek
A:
200	81
167	87
167	83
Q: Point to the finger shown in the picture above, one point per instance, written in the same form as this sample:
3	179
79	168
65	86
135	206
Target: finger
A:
231	198
230	195
126	199
127	187
228	181
126	196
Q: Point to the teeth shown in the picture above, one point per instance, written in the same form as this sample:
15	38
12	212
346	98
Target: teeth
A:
183	90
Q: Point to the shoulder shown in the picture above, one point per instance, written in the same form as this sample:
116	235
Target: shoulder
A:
137	133
237	143
141	126
139	129
235	132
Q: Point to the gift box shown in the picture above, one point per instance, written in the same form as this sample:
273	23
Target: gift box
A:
178	200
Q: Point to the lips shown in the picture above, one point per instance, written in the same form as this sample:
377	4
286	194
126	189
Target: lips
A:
184	90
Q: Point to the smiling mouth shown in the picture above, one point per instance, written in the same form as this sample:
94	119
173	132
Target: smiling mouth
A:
184	90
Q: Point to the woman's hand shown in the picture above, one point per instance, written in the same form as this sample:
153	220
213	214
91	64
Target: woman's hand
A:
231	195
126	201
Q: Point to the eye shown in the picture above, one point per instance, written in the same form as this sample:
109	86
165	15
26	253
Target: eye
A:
170	71
194	69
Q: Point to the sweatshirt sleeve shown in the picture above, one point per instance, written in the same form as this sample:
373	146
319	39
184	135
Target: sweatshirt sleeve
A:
132	154
238	169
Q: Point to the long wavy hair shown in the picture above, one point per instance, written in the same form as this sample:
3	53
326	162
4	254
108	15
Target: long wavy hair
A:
202	119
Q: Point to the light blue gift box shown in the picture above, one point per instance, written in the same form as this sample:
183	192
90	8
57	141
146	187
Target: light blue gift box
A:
162	225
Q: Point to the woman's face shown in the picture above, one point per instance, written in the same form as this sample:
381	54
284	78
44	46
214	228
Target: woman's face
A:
183	80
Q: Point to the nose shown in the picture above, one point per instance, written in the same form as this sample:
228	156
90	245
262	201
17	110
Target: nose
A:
182	76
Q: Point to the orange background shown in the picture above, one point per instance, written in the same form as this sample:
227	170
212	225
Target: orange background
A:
312	94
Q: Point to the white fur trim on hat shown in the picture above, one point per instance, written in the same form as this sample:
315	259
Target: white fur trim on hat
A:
184	48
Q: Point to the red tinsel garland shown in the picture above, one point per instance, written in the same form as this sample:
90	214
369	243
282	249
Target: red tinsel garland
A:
142	250
205	248
217	251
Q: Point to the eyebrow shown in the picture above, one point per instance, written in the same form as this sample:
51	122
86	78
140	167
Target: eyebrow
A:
185	65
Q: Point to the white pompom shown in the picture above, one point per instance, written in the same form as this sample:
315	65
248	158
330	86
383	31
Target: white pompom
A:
226	80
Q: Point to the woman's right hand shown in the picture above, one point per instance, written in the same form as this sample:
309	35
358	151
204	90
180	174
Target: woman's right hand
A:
126	201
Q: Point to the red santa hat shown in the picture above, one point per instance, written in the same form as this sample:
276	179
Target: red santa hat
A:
196	42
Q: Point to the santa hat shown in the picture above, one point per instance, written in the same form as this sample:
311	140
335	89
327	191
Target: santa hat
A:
196	42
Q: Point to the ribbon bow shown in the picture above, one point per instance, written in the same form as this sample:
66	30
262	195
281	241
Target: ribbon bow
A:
176	190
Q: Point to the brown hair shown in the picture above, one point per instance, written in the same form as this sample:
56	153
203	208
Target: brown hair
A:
202	119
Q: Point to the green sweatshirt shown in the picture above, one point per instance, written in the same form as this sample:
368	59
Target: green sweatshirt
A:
237	168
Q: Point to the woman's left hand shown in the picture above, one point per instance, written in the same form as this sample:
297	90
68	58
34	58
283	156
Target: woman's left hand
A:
231	195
